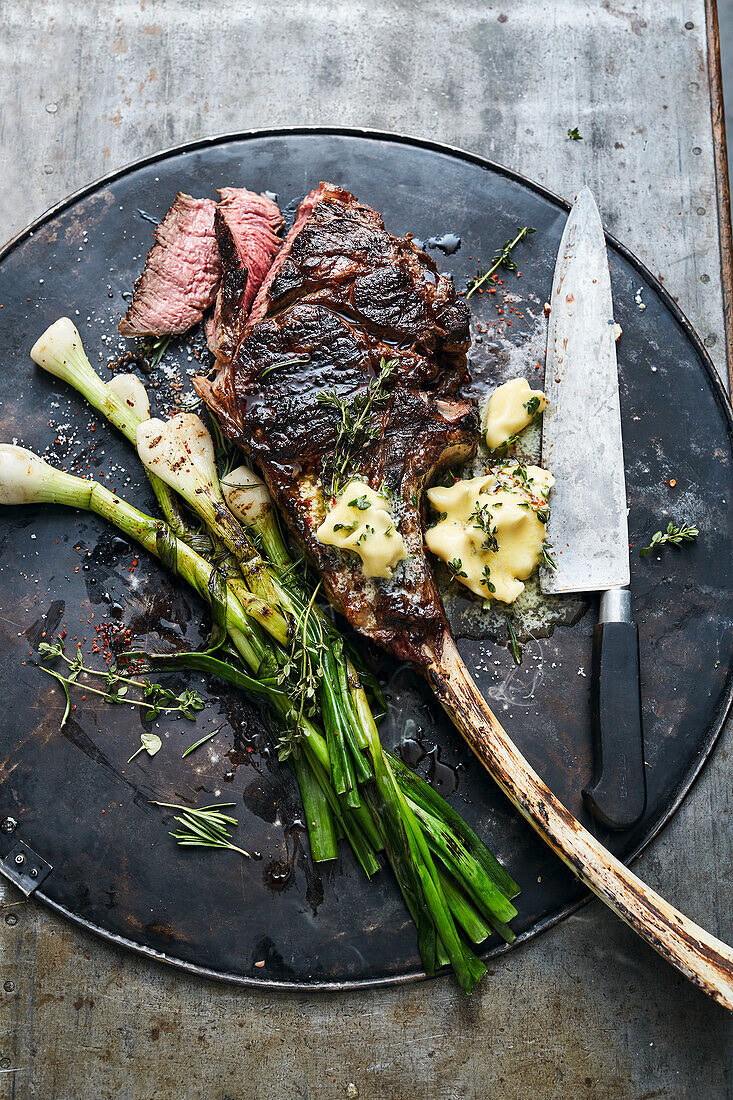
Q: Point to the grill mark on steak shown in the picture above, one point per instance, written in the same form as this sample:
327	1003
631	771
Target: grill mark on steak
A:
181	272
342	295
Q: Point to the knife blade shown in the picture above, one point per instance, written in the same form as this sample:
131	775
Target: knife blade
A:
582	445
581	430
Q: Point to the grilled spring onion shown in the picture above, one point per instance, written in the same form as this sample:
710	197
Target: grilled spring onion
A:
60	352
384	816
349	786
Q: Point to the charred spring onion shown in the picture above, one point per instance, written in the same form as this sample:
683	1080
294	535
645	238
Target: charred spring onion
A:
273	640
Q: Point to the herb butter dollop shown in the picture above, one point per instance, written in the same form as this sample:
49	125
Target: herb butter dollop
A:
511	408
361	521
491	529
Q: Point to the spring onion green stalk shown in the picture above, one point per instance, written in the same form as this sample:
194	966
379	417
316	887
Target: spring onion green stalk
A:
350	787
60	352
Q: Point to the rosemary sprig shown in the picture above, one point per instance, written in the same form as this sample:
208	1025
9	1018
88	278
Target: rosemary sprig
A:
206	827
284	363
513	643
156	349
575	134
674	535
355	430
502	258
201	741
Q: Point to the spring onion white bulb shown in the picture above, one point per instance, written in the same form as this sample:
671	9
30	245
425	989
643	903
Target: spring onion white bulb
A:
60	352
130	390
247	496
27	479
180	452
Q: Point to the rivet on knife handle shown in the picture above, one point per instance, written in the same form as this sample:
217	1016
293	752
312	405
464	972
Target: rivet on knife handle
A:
617	795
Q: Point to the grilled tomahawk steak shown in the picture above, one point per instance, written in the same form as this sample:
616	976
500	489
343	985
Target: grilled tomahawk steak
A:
343	296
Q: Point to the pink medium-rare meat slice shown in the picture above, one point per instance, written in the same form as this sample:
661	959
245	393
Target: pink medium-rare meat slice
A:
247	227
181	273
314	351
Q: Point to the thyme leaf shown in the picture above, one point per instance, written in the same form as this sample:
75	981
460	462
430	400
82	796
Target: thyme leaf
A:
575	134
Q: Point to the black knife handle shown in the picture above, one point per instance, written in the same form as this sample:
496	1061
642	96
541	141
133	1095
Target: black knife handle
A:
617	795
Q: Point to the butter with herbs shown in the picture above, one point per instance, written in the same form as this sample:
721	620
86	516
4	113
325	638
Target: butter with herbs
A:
491	529
361	521
511	408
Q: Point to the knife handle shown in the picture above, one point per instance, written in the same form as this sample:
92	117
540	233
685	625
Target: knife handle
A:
617	795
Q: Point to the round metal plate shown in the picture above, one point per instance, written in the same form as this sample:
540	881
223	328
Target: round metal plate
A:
79	805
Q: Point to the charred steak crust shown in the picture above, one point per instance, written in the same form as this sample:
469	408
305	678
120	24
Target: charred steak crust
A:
181	273
344	257
246	226
345	296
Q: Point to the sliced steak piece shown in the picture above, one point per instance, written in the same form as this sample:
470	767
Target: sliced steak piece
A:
246	226
181	272
318	337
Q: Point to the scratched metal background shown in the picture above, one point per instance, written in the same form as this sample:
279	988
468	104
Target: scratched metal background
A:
588	1011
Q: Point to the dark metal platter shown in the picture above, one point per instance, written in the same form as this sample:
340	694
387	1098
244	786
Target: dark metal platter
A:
84	810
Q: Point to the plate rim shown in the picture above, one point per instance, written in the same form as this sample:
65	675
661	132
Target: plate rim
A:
697	765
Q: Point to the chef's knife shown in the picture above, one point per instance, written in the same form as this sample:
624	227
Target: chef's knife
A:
587	530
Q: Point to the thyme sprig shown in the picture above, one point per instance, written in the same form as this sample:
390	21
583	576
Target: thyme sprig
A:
502	258
482	519
455	568
156	699
306	658
355	429
206	827
674	536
